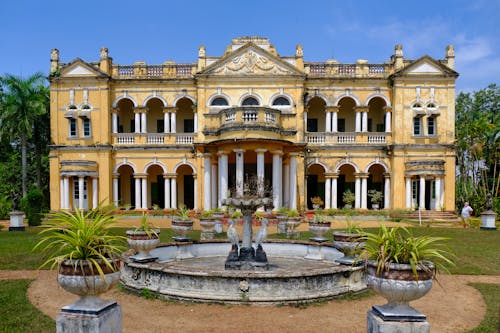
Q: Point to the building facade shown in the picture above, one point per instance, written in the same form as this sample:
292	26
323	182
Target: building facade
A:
144	136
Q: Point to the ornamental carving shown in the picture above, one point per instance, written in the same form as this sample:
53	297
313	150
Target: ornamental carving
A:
251	63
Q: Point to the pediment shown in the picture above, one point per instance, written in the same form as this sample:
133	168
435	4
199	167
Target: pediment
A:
79	68
427	66
250	60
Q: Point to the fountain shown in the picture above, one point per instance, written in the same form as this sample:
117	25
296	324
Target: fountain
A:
218	271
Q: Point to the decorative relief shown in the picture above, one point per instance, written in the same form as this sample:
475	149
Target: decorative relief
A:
251	63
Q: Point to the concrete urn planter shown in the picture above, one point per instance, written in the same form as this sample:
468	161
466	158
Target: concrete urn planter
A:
142	243
399	286
207	224
319	229
181	228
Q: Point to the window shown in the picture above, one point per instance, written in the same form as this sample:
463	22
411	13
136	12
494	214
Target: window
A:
312	125
431	126
219	101
86	127
132	125
250	101
73	129
188	125
160	126
341	125
417	126
281	101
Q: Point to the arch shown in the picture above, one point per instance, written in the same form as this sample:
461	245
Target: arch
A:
344	162
86	106
115	170
372	96
318	95
218	95
247	95
149	164
179	97
353	97
150	97
119	98
283	95
382	163
323	165
178	165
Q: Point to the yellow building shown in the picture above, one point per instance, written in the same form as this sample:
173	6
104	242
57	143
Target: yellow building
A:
165	135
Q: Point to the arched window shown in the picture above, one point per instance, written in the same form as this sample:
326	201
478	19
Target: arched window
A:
86	107
250	101
417	105
219	101
72	107
281	101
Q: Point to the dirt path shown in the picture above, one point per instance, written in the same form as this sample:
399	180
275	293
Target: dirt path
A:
454	307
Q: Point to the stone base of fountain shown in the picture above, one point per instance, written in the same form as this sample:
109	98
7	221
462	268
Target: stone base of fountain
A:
248	259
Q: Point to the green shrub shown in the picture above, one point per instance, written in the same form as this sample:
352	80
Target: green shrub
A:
5	208
32	205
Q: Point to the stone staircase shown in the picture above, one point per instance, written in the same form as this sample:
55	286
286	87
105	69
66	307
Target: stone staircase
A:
433	215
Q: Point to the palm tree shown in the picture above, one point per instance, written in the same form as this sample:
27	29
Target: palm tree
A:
23	101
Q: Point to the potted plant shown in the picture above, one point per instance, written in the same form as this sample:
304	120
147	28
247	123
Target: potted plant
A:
181	224
281	217
348	198
349	241
375	198
401	268
143	239
319	225
293	220
317	202
207	221
85	251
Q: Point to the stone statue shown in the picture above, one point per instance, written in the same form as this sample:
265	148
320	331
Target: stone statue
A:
298	51
489	202
201	51
104	53
54	55
15	202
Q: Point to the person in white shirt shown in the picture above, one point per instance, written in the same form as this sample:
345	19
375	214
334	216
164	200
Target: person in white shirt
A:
466	213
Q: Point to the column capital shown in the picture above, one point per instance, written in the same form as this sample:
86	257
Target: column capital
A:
115	175
361	175
170	175
222	152
239	150
387	175
169	109
277	152
115	110
331	175
141	109
260	150
206	155
361	108
140	175
294	154
387	108
332	108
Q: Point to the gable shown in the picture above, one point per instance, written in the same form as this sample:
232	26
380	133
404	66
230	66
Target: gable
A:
425	68
79	68
251	60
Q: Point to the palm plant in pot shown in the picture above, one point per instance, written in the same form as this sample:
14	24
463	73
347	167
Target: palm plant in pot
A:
181	224
401	267
143	239
85	251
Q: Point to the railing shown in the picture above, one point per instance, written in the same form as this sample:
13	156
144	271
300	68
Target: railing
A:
151	71
155	138
250	116
246	115
126	71
125	138
346	138
184	139
376	138
329	69
346	69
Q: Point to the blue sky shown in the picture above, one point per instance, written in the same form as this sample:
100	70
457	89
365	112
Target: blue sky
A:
156	31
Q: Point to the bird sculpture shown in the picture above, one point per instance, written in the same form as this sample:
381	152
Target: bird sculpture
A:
261	234
232	234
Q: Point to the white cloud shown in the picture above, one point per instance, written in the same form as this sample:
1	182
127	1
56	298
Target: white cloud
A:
472	50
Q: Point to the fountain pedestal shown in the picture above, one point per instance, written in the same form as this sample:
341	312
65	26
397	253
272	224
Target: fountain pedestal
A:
246	257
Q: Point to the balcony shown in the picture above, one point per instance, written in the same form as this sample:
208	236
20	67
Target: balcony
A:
130	139
372	138
141	70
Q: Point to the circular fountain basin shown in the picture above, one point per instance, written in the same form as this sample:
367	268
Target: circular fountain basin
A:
299	272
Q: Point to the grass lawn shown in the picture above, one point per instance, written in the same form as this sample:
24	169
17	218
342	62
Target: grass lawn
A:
491	295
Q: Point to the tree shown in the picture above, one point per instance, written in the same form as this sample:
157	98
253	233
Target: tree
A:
23	102
477	144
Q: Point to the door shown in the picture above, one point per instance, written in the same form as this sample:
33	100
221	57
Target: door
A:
76	194
189	191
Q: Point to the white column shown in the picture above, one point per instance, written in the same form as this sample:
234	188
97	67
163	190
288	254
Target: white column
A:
144	193
328	193
364	192
334	192
95	195
61	193
408	193
173	192
387	192
277	179
335	121
137	193
195	121
207	187
114	123
66	192
364	122
137	119
195	190
223	176
115	190
357	192
286	185
166	122
214	186
358	121
293	180
328	125
260	170
442	193
80	192
305	119
239	171
388	122
437	194
173	123
422	192
166	186
144	122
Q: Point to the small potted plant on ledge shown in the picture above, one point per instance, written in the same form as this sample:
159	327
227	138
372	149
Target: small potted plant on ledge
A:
401	268
317	202
181	224
348	198
375	198
319	225
143	239
86	253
